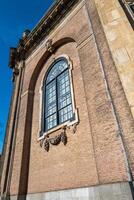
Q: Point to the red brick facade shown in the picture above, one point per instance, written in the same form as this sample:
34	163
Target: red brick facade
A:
99	151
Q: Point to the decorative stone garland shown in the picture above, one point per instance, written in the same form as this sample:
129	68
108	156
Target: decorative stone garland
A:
62	137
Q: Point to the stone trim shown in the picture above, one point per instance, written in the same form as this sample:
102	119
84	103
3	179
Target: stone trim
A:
46	24
105	192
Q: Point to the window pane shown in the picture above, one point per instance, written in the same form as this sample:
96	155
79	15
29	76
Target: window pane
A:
58	100
50	99
64	91
51	122
59	67
65	114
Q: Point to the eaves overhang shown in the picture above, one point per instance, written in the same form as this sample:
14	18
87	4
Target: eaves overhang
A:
30	40
54	15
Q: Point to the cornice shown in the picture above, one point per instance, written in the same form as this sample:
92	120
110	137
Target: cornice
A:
54	15
30	40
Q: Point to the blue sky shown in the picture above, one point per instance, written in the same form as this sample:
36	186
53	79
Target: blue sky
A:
15	17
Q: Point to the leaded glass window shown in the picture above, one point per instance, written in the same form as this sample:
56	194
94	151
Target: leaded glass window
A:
58	98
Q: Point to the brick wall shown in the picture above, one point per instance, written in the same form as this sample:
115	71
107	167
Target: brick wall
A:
94	155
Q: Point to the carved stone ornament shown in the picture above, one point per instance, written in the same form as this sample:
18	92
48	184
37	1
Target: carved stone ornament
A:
49	46
75	128
46	145
56	140
62	137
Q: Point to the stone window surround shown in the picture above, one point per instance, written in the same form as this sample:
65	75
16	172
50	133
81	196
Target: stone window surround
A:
75	110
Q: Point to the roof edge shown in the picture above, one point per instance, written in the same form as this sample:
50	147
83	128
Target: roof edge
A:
51	18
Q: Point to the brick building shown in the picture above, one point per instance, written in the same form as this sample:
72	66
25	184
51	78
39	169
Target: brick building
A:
70	133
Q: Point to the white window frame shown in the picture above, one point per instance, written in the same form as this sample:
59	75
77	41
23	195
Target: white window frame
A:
41	92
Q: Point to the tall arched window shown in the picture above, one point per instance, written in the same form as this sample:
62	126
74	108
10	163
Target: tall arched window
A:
58	107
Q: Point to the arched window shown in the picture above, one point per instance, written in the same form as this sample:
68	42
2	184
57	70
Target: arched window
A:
58	107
